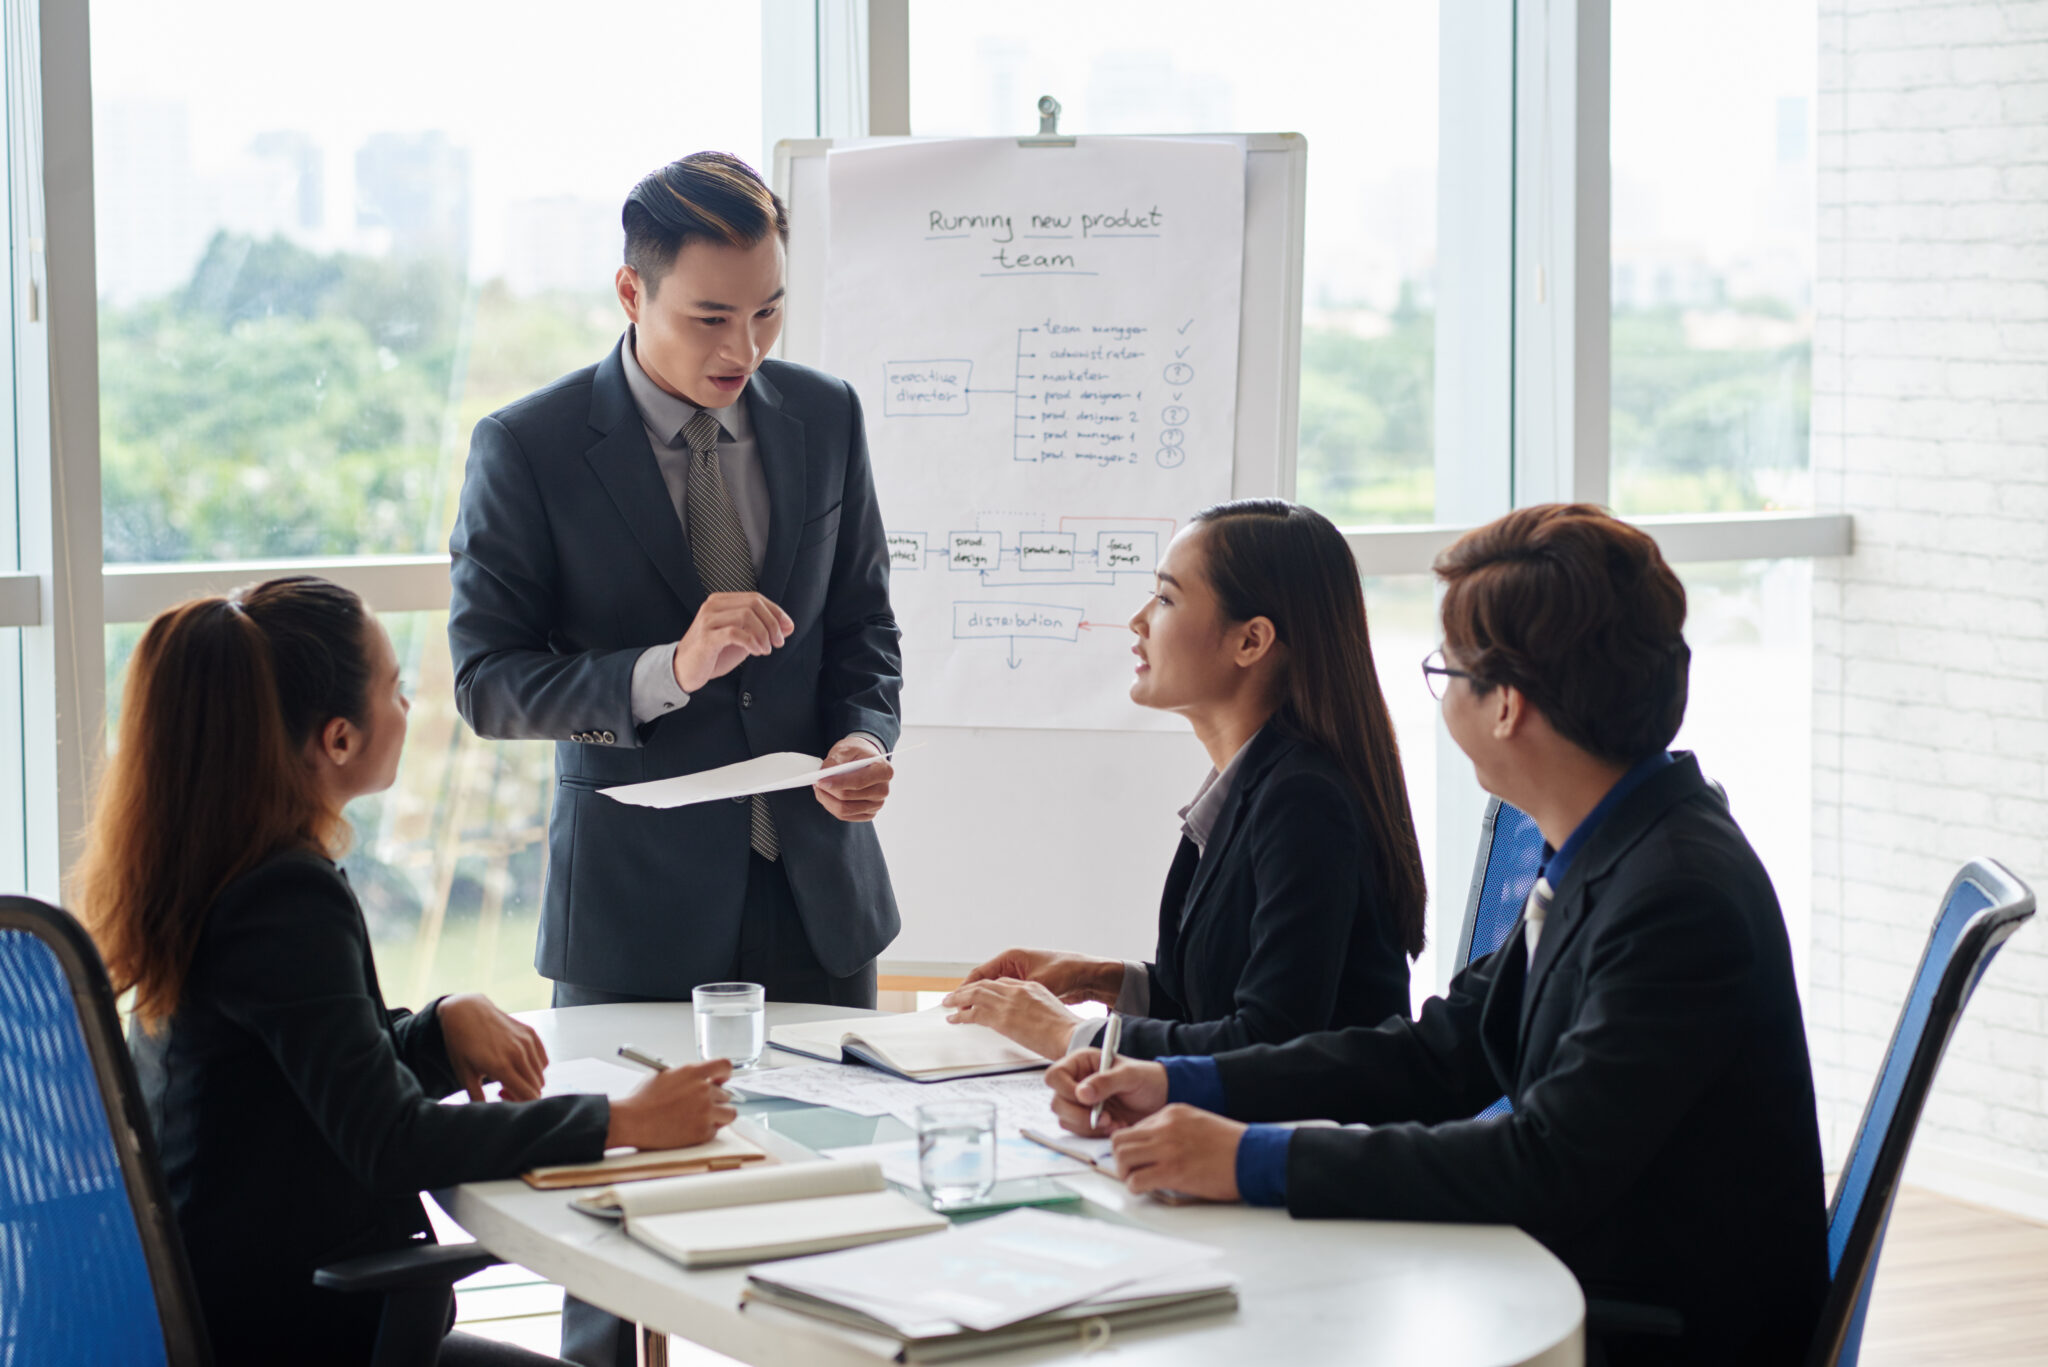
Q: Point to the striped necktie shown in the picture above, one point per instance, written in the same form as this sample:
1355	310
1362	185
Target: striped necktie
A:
725	564
1533	913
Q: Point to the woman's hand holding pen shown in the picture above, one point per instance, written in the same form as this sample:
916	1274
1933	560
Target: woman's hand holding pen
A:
673	1109
1069	977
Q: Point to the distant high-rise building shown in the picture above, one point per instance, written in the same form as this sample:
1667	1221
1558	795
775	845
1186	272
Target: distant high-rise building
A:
296	153
415	188
562	243
1146	92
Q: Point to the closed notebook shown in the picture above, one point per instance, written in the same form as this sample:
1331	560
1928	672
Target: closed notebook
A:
725	1152
769	1212
919	1045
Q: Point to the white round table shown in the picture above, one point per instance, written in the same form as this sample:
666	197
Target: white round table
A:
1311	1291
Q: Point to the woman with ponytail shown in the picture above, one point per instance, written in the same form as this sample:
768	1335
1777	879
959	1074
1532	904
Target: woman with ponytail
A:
297	1116
1296	897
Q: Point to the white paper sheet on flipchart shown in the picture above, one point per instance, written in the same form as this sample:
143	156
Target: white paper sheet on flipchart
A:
1020	1099
761	774
1020	545
579	1076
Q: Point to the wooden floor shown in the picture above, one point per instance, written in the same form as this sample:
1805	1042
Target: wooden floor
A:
1957	1284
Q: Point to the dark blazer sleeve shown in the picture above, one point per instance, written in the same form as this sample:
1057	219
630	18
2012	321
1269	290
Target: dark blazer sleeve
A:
510	681
285	960
1668	991
861	670
422	1049
1306	868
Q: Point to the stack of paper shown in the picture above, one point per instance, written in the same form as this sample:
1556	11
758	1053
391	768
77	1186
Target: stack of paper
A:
1026	1266
723	1152
771	1212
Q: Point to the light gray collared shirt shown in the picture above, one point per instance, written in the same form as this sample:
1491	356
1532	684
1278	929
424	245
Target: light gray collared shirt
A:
655	690
1198	819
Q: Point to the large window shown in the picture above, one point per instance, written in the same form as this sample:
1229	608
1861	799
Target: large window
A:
329	243
1363	91
1713	242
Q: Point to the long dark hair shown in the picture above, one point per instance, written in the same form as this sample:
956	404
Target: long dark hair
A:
1278	560
208	776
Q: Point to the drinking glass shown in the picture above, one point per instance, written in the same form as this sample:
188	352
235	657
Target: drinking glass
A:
956	1151
732	1022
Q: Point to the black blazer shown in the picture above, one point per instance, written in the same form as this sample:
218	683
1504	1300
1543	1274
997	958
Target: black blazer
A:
568	562
1663	1142
1282	926
297	1119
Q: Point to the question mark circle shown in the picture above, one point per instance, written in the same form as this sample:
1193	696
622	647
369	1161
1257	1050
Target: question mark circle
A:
1171	457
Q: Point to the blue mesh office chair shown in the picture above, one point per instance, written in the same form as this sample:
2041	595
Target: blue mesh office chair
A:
1510	853
1984	905
91	1266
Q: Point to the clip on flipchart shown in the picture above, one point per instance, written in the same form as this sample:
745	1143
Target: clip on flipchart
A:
1048	126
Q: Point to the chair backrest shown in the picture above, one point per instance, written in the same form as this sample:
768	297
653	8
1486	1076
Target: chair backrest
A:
91	1266
1984	905
1510	853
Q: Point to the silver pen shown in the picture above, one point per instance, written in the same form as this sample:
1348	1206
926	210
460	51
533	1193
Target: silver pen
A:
1110	1038
632	1055
646	1060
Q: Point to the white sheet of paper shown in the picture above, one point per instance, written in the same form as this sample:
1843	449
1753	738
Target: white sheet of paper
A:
996	1271
578	1077
761	774
1045	345
1020	1098
1014	1158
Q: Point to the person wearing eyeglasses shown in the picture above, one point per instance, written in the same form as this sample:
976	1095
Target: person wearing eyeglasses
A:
1295	898
1642	1018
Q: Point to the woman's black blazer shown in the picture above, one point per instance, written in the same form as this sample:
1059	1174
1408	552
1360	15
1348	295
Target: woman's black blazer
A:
1281	926
297	1118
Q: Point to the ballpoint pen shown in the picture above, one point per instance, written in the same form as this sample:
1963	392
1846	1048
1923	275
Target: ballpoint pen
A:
632	1055
1110	1038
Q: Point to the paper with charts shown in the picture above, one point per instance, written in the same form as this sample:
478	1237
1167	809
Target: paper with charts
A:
1044	340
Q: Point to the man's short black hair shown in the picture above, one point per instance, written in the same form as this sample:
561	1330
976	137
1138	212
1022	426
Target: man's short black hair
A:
709	196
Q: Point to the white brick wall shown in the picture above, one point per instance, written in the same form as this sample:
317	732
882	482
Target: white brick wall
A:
1930	424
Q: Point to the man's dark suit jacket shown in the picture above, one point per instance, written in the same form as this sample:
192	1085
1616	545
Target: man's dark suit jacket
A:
1663	1141
568	562
297	1118
1282	925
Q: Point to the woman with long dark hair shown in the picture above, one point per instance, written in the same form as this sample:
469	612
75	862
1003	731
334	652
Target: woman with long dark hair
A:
1296	897
296	1114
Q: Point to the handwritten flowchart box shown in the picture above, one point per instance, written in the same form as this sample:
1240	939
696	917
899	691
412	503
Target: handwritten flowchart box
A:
906	550
1127	552
1045	550
925	389
973	550
1043	621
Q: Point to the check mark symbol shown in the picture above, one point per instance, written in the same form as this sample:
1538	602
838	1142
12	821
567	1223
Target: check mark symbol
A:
1183	329
1182	352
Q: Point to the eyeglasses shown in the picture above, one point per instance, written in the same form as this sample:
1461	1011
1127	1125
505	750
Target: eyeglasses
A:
1437	675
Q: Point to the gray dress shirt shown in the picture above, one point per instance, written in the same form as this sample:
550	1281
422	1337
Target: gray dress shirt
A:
1198	818
655	690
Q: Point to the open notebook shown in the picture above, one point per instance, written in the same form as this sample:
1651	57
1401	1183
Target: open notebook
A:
770	1212
920	1046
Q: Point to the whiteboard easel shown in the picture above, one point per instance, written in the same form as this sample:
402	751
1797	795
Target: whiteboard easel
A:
1061	839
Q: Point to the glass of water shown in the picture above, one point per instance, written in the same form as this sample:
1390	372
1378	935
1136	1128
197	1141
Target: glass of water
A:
956	1151
732	1022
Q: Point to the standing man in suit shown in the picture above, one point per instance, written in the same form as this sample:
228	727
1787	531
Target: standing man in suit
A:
1643	1018
669	561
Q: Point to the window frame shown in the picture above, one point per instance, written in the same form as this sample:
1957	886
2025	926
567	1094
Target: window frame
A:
1522	359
